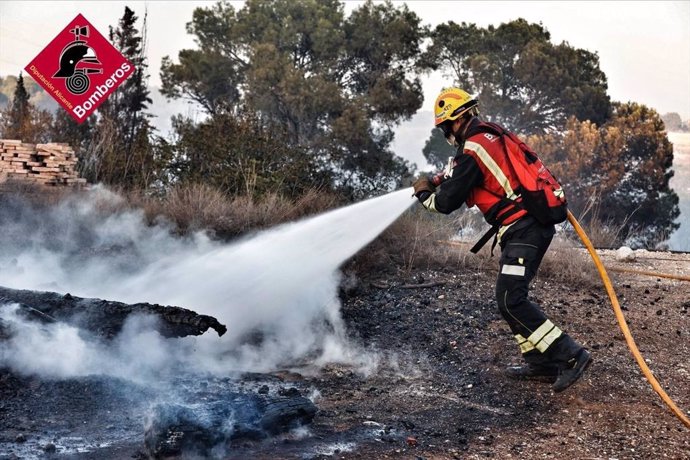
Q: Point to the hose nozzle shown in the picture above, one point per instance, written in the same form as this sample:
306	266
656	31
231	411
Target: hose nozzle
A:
442	176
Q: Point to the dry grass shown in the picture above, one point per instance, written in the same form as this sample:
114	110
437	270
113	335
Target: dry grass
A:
188	208
419	240
201	207
36	193
566	262
603	233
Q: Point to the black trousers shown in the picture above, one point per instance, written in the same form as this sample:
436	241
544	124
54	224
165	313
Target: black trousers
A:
522	249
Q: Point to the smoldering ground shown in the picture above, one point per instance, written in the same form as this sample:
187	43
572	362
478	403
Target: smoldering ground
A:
452	334
275	290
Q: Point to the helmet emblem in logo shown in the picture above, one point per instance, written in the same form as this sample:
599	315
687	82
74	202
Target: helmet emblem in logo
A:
77	61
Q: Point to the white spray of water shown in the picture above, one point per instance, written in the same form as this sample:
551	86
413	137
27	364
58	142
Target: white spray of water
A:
276	291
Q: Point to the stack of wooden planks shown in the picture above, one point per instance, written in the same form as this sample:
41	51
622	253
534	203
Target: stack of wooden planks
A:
50	164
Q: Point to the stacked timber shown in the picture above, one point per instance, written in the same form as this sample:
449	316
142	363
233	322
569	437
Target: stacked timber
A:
50	164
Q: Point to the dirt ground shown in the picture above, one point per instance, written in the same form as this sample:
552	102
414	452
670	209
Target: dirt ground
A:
455	402
441	392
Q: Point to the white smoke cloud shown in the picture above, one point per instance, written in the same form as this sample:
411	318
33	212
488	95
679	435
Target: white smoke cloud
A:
276	291
60	350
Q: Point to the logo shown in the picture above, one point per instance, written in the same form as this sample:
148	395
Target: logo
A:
75	61
80	68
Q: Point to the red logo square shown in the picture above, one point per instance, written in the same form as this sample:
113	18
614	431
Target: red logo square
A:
80	68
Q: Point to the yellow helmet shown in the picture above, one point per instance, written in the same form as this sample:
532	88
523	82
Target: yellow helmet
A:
451	104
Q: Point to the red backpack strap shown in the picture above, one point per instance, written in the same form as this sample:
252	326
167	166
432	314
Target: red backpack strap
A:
484	127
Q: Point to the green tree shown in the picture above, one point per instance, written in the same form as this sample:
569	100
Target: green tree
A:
647	158
4	95
437	150
237	155
78	135
18	116
523	80
332	85
6	90
38	97
120	151
22	120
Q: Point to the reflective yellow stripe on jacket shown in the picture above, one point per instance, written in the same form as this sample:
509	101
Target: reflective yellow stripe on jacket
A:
493	167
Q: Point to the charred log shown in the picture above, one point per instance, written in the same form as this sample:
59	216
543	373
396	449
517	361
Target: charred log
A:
199	429
106	318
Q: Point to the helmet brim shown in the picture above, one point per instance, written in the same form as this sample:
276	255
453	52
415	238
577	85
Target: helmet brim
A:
457	113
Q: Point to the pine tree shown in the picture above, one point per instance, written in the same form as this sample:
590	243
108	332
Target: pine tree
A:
437	150
121	151
335	85
17	116
22	120
132	97
77	135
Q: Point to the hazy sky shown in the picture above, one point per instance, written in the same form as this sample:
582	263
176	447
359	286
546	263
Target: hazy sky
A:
643	46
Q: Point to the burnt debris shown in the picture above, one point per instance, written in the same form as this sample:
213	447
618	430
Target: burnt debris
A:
205	426
106	318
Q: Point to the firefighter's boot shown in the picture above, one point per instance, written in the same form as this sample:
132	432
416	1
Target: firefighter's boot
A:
539	372
571	371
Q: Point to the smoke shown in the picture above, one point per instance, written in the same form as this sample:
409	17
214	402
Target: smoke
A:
680	183
60	350
276	291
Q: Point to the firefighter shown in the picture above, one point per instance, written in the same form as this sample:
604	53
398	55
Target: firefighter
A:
480	176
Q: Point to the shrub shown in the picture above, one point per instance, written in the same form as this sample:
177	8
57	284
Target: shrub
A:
420	240
194	207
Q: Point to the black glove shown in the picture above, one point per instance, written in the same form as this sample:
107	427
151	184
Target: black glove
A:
423	188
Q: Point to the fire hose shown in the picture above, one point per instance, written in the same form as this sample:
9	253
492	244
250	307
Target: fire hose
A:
623	325
648	273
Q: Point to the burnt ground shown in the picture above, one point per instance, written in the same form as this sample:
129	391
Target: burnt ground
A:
460	405
440	391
